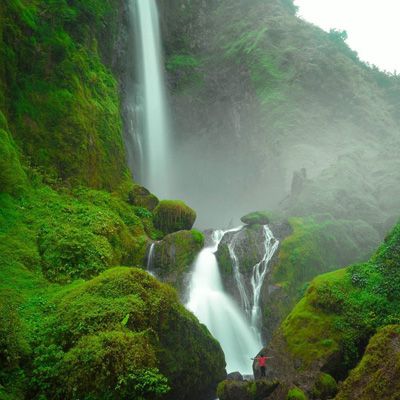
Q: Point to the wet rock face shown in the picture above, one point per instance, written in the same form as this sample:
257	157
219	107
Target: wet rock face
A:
174	255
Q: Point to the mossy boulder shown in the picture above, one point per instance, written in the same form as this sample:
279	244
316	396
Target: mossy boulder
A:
127	316
141	197
246	390
325	387
173	215
256	218
377	376
174	255
12	177
296	394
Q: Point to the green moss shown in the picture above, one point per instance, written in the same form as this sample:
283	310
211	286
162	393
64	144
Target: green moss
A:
296	394
342	310
173	215
325	387
64	108
258	218
376	376
141	197
12	177
173	334
174	255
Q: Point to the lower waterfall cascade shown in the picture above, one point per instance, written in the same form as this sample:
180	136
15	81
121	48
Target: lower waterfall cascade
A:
236	328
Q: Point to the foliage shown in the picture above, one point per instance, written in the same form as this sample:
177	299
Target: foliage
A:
64	108
343	309
376	376
12	176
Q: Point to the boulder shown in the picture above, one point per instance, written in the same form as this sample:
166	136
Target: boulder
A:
174	254
256	218
173	215
139	196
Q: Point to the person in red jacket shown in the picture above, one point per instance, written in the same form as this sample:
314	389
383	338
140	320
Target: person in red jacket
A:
261	362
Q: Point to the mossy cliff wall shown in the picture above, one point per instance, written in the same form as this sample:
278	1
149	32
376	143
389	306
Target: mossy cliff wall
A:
73	324
60	100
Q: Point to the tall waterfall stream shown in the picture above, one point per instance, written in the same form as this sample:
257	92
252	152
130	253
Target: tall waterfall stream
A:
152	109
236	328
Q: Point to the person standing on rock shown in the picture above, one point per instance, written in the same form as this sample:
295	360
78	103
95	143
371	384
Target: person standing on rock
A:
261	362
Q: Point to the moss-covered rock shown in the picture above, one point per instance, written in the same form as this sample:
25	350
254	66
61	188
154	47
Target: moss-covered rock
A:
128	318
141	197
325	387
377	375
173	215
256	218
296	394
174	254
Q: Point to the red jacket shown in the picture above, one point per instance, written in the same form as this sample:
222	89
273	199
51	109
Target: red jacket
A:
262	361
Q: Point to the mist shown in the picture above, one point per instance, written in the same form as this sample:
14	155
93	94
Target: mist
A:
263	95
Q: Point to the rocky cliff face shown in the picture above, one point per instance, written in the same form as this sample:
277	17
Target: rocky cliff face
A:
261	94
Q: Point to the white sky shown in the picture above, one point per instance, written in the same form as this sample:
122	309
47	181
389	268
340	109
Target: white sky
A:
373	26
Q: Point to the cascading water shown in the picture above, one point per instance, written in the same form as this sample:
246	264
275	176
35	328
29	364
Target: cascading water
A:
219	313
152	109
259	272
150	257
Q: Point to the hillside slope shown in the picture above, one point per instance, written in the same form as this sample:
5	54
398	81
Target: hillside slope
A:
261	94
74	323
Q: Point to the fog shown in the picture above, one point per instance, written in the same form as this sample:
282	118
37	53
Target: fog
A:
244	131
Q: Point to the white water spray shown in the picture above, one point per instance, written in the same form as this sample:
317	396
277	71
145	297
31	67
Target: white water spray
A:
155	123
219	313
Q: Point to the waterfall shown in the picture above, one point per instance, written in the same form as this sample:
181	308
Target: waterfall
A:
259	272
150	257
226	322
151	109
238	276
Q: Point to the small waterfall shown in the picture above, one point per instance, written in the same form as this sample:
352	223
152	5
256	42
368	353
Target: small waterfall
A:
259	272
214	308
152	115
150	258
238	277
252	308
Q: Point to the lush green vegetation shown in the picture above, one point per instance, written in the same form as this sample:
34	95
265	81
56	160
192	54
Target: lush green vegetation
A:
73	324
317	245
296	394
60	100
341	310
376	376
